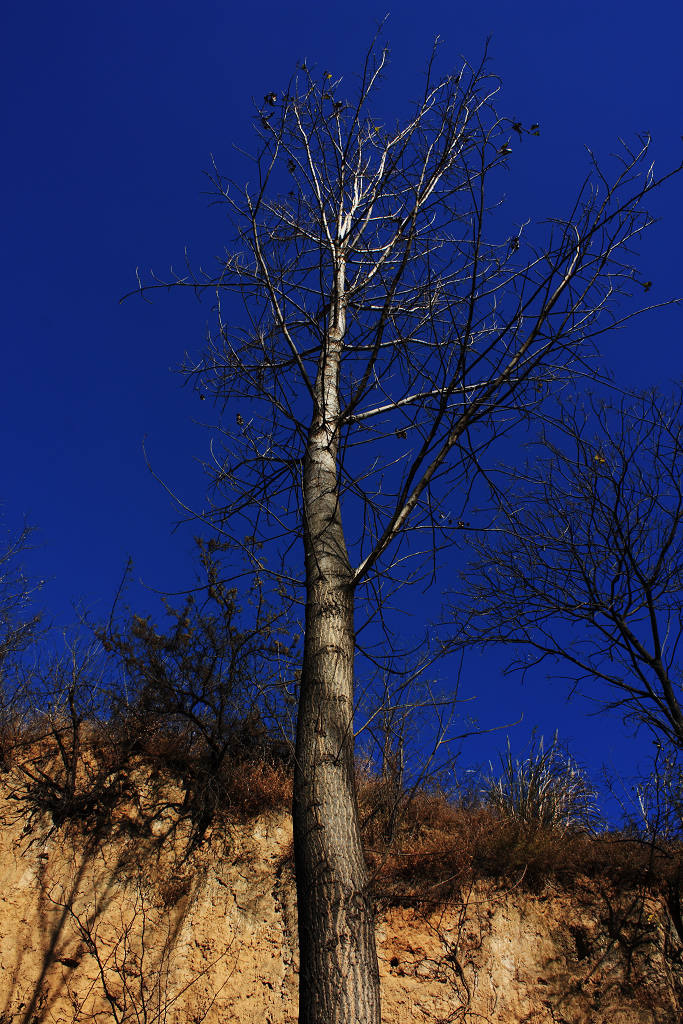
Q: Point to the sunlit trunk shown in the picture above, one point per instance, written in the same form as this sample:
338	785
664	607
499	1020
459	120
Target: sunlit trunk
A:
339	978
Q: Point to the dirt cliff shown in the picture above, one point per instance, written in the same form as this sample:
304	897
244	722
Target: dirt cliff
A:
132	930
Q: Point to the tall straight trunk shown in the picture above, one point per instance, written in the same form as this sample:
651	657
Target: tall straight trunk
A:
339	977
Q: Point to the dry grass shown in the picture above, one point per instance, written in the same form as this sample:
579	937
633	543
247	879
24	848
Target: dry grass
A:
547	788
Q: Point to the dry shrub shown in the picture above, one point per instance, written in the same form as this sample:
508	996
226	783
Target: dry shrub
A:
10	741
533	823
247	775
136	772
388	813
253	788
19	735
436	845
71	770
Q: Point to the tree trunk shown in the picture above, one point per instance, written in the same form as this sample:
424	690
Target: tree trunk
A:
339	976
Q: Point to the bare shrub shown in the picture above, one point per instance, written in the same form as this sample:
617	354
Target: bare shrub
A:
67	759
203	692
19	620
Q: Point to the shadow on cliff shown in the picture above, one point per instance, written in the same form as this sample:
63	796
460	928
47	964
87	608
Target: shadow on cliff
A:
108	910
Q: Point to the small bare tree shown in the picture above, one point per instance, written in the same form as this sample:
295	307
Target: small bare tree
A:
19	628
19	619
383	340
585	565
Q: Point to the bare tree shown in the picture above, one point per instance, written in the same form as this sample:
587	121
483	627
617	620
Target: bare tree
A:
585	564
384	338
19	628
19	619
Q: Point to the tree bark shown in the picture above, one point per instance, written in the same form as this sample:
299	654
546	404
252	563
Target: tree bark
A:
338	977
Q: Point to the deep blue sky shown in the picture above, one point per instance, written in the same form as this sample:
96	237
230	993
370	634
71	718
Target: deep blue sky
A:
110	114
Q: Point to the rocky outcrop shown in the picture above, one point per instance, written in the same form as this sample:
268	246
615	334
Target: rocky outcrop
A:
127	930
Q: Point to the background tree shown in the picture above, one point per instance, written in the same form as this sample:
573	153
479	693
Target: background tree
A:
19	628
202	701
385	338
584	565
19	618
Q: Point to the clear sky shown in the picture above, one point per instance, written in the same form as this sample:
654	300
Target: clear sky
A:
110	115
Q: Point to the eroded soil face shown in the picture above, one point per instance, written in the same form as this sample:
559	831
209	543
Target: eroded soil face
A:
134	930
